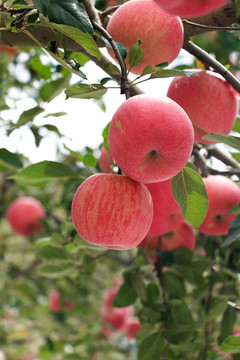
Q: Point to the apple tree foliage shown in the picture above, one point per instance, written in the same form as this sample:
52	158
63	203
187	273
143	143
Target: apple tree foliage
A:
187	302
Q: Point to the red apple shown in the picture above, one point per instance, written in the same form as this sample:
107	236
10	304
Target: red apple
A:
190	8
24	214
156	30
182	236
105	161
112	211
223	194
10	50
210	102
150	138
54	301
166	212
132	327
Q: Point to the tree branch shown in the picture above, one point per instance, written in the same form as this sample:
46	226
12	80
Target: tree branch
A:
202	55
124	79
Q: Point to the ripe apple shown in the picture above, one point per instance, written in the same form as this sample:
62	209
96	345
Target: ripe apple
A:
166	212
210	102
190	8
157	30
223	194
150	138
181	236
24	214
112	211
105	161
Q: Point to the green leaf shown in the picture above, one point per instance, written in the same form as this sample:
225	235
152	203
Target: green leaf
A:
85	91
181	323
44	170
50	253
152	347
65	12
236	155
236	126
122	50
43	70
135	54
233	233
53	88
89	160
28	115
55	271
10	159
105	135
232	141
227	323
174	285
217	307
158	72
19	4
189	191
111	69
235	209
53	128
57	114
139	285
126	294
231	344
80	37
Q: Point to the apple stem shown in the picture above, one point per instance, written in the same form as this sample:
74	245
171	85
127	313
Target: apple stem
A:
202	55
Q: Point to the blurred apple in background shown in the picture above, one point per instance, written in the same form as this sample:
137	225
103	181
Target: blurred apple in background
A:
24	214
223	194
190	8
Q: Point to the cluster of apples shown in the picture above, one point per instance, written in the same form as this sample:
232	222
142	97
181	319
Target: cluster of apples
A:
118	320
24	215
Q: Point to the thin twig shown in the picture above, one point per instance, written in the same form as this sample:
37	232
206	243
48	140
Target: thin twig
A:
124	79
226	159
209	27
202	55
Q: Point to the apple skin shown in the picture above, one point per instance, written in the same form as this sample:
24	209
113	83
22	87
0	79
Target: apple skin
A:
156	30
112	211
181	236
190	8
150	138
223	194
105	161
166	212
23	215
210	102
